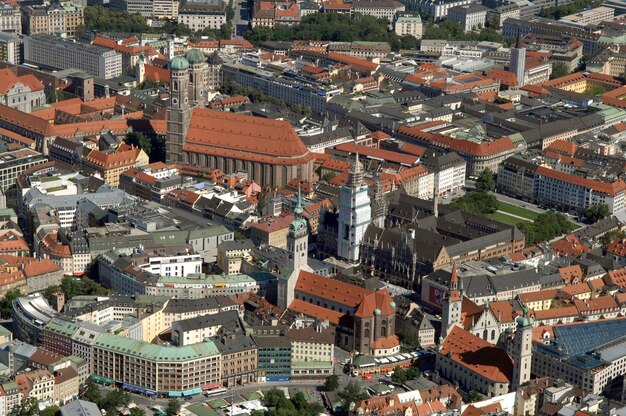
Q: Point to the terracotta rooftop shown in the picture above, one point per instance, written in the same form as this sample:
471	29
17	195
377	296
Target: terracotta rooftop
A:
331	289
124	155
8	80
488	148
477	355
616	277
371	152
563	147
315	311
539	295
245	137
612	188
556	313
599	304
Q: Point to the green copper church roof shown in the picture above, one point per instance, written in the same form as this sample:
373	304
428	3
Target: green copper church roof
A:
179	63
194	56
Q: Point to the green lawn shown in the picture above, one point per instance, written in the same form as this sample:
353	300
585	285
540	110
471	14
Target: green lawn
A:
501	217
521	212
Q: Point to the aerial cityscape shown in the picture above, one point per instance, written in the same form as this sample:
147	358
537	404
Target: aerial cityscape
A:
312	207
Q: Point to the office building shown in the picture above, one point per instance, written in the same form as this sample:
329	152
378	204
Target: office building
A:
518	62
10	48
471	17
55	53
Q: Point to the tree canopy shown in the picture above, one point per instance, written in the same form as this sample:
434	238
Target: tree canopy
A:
451	30
485	182
298	405
173	407
478	203
559	69
597	212
6	306
334	27
545	227
567	9
352	393
71	286
331	383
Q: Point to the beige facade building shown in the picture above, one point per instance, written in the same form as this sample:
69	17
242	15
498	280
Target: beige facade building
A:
311	352
66	385
56	18
110	165
408	24
154	367
38	384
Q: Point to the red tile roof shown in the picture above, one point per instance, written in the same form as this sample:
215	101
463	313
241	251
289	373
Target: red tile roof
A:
505	77
597	305
612	188
563	147
616	277
8	80
384	155
488	148
315	311
477	355
245	137
124	155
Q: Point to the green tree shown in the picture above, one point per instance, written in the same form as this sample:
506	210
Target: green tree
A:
71	286
413	373
257	413
52	95
399	375
136	411
411	341
116	398
51	411
474	396
299	401
92	392
29	406
137	138
351	393
608	238
6	307
150	84
478	203
597	212
559	69
546	227
273	396
173	407
485	181
331	383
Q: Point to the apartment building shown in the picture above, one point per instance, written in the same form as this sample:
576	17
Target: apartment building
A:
200	16
110	165
408	24
312	352
52	19
10	19
239	358
38	384
449	170
50	52
471	17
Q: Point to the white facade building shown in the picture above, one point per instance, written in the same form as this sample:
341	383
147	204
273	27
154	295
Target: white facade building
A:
176	265
408	24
